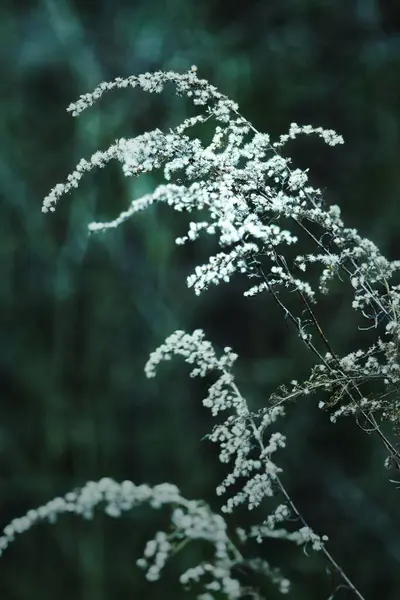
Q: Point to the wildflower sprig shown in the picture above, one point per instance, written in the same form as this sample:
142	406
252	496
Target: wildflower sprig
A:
190	520
258	205
238	436
249	189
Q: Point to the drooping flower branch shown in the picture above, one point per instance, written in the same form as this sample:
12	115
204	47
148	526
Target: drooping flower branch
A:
241	437
248	189
258	205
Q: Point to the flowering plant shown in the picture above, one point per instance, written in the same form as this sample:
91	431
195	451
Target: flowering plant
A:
257	205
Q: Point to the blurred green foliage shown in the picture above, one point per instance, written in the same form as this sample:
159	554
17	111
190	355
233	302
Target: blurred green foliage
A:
79	314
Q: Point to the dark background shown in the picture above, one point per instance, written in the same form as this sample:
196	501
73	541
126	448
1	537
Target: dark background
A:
79	315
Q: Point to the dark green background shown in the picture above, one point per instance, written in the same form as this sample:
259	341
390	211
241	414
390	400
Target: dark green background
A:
79	315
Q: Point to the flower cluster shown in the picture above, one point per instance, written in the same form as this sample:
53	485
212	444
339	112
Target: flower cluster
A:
257	203
238	177
190	520
238	435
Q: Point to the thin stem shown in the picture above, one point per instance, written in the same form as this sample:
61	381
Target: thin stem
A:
289	500
326	553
